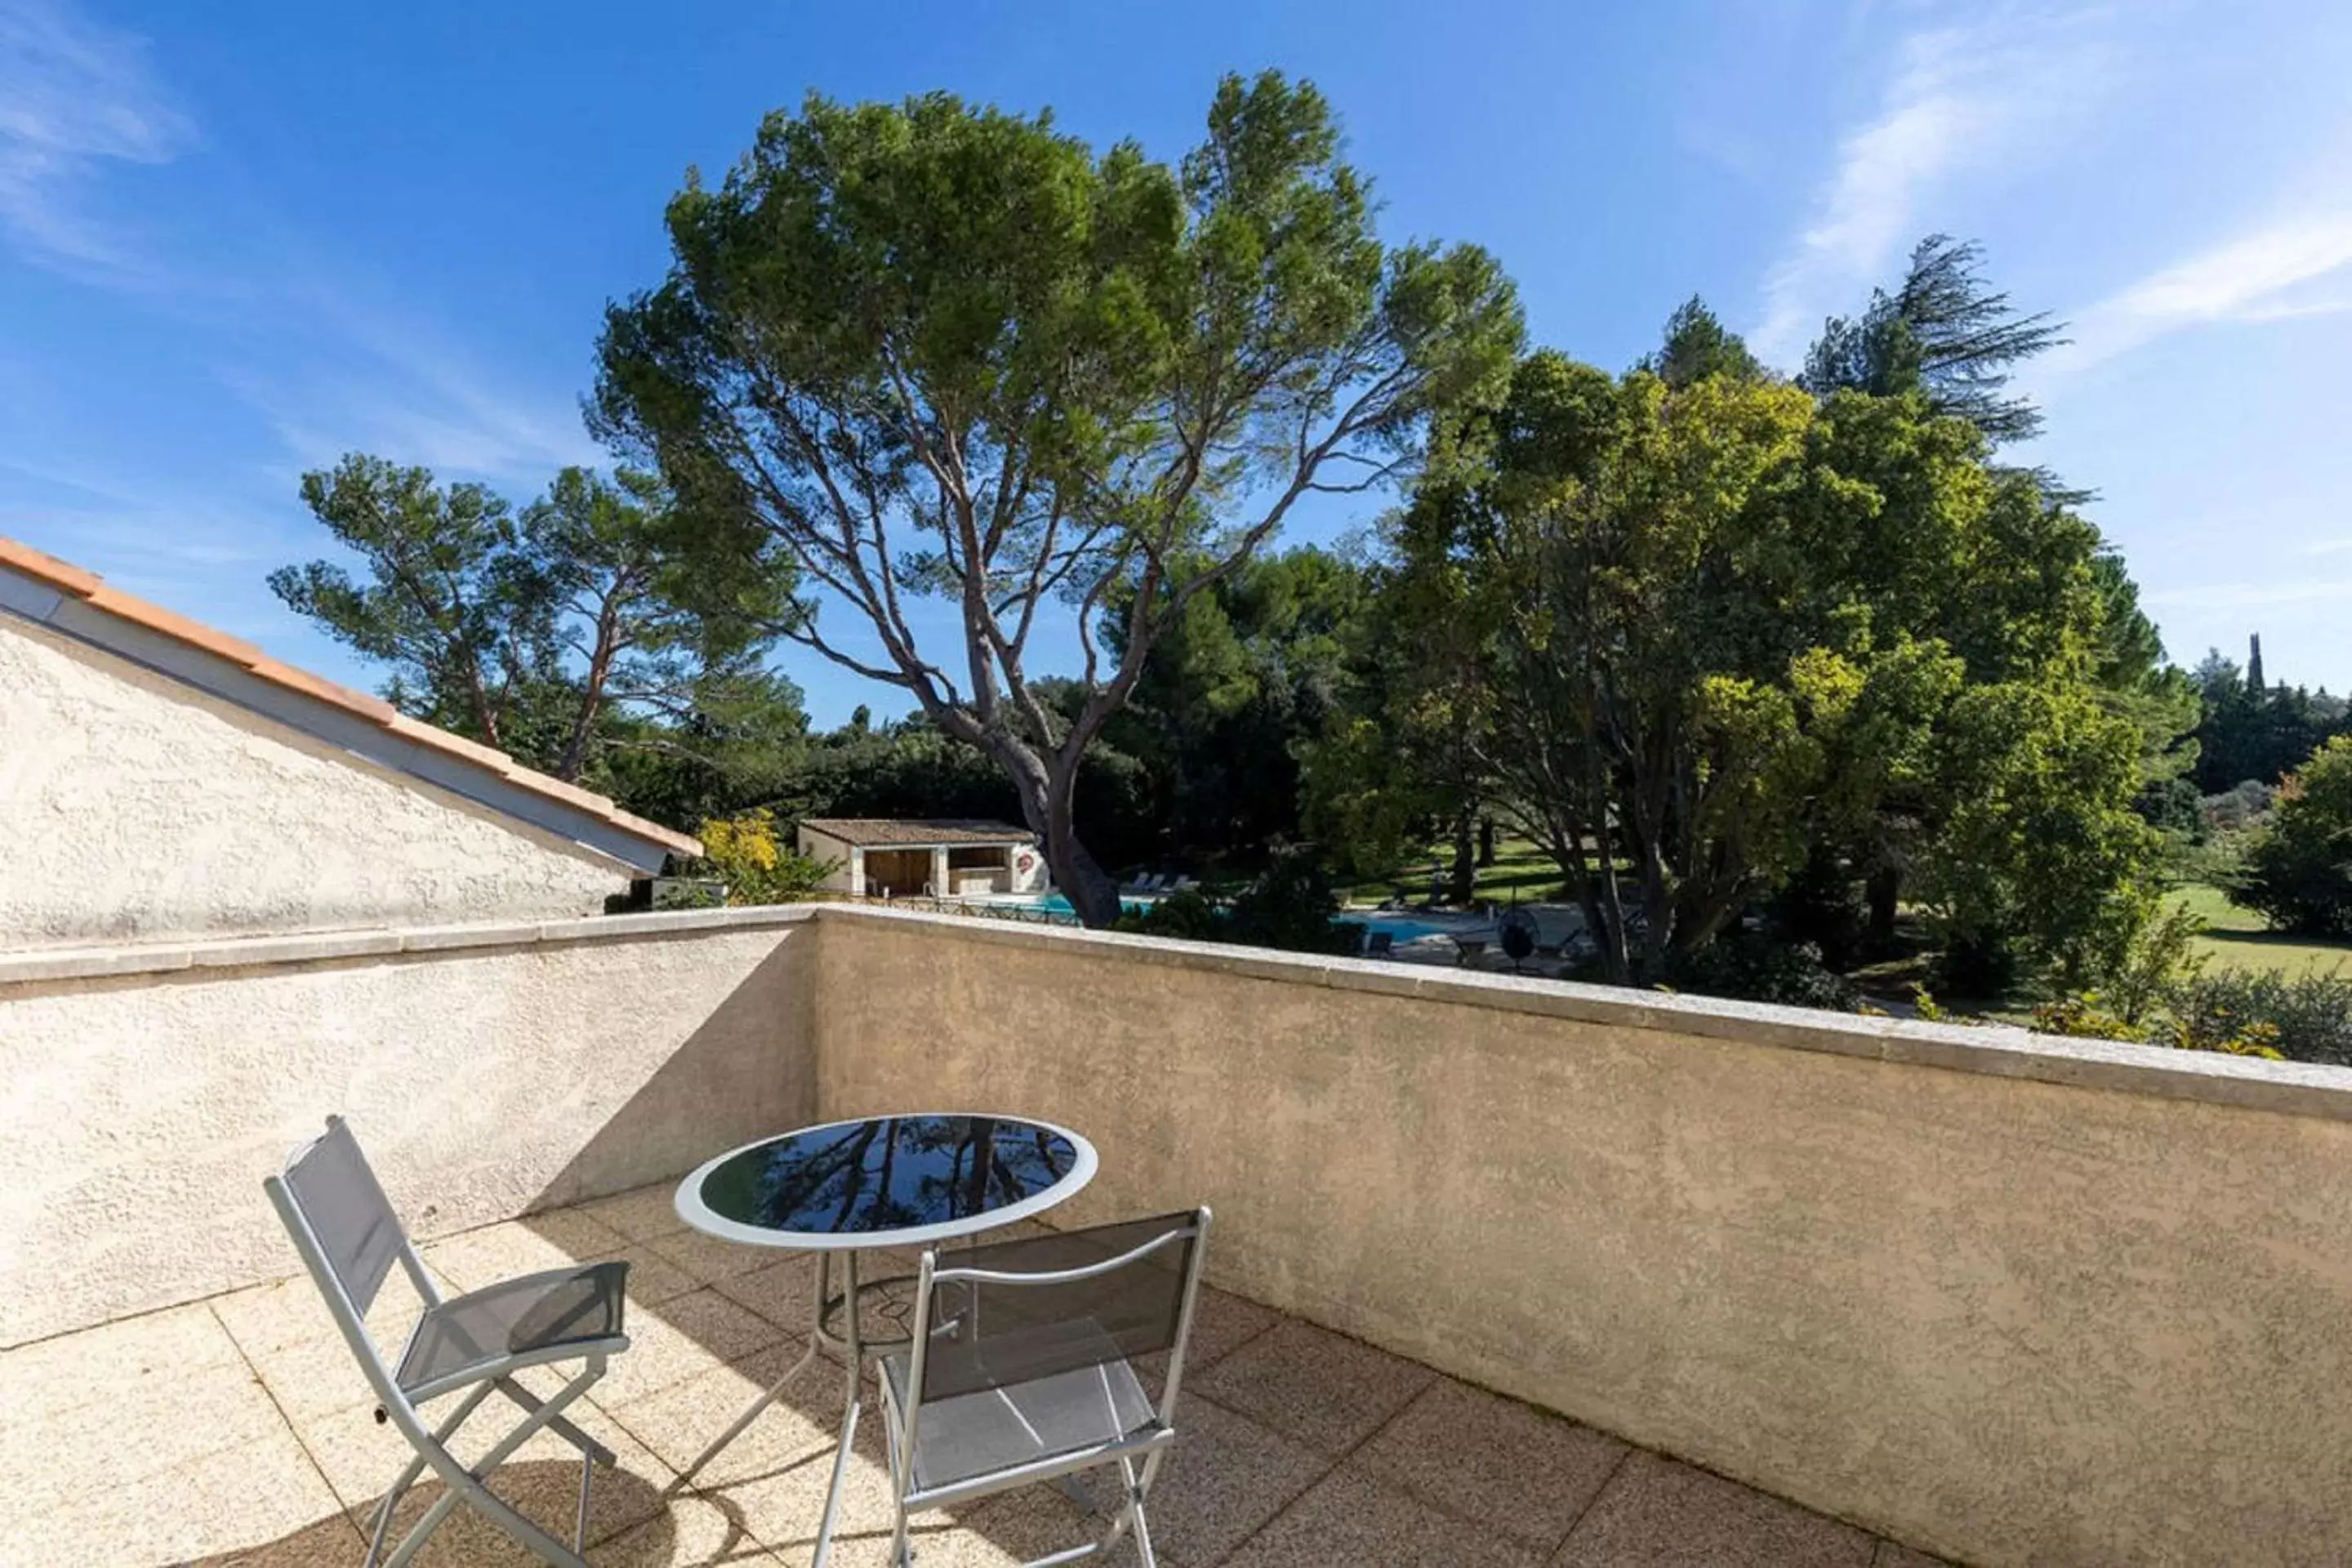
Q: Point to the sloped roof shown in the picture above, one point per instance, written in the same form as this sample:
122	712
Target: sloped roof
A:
86	588
876	832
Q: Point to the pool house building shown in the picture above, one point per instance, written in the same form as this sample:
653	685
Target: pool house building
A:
897	858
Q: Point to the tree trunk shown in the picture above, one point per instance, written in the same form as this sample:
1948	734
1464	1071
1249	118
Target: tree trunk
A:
1883	890
1463	881
1090	889
1485	841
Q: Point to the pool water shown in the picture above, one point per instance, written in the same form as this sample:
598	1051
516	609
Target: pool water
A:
1401	928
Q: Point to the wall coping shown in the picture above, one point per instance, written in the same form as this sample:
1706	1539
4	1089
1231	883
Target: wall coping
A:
2291	1089
40	966
1998	1050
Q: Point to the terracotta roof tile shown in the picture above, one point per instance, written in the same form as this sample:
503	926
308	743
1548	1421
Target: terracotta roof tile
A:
56	573
873	830
71	579
172	624
375	709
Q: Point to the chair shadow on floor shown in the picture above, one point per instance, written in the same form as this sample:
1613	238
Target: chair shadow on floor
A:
545	1491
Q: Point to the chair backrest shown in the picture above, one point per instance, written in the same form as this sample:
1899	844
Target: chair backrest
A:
1009	1311
336	1211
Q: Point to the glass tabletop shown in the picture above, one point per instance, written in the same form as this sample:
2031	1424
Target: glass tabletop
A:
887	1180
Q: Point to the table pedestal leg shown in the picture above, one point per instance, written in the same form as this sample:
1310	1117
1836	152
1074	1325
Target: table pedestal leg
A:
853	1345
775	1390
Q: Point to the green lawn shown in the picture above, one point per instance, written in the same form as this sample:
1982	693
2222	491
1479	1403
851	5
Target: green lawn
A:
1520	871
2237	939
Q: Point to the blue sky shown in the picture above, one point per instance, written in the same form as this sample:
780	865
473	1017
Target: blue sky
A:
238	240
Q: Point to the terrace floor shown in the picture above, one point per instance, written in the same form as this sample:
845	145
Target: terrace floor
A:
238	1431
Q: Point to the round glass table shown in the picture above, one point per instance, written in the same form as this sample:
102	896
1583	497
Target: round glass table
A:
848	1187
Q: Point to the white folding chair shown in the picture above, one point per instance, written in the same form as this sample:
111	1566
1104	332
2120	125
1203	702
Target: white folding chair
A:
1020	1369
349	1238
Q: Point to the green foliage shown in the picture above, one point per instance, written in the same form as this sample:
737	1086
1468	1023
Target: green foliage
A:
449	603
2038	841
1698	642
2298	869
1235	691
2310	1015
1945	332
1290	905
2255	733
1762	968
606	635
757	865
1186	916
930	350
1697	345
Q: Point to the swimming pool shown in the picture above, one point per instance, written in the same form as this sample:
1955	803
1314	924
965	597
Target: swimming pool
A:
1401	928
1054	908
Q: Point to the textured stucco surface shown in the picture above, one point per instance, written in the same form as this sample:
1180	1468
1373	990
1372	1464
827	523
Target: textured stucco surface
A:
2016	1321
139	1113
133	808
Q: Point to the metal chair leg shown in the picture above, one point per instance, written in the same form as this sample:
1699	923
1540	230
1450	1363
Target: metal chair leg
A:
416	1468
461	1485
1134	1512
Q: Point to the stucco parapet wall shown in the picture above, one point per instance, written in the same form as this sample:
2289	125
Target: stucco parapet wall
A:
2294	1089
252	952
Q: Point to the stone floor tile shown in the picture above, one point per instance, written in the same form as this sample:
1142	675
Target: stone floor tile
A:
640	1213
784	1292
679	1422
558	1239
1349	1517
311	1377
709	1259
775	1481
161	1422
1226	1477
360	1458
1018	1527
1891	1556
653	1279
692	1532
1518	1470
1324	1389
1658	1513
541	1481
682	1336
259	1504
1221	1323
102	1364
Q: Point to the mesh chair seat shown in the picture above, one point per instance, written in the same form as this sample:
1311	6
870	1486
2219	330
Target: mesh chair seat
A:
560	1312
1003	1423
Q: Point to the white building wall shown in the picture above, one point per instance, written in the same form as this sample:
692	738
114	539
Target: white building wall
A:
134	807
848	873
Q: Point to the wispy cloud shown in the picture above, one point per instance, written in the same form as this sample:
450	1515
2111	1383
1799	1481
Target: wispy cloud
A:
1961	97
2328	547
328	355
75	98
2296	265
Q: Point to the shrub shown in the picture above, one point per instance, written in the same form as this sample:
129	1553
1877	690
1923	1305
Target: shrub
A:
2311	1018
758	867
1752	968
1186	916
2236	809
1292	906
1982	964
2298	871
